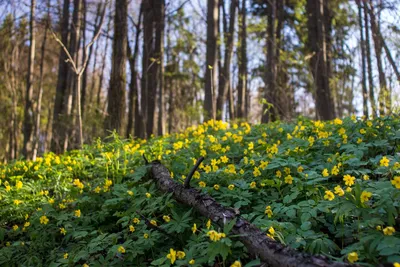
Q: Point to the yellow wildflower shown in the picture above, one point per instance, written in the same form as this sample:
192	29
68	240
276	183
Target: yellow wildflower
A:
130	192
349	180
231	186
44	220
253	184
289	179
365	195
389	230
352	257
202	184
63	231
329	195
146	236
131	228
339	191
194	228
166	218
148	195
236	264
15	227
216	187
268	211
136	220
325	173
396	182
384	162
65	255
180	255
18	185
208	224
192	261
172	255
77	213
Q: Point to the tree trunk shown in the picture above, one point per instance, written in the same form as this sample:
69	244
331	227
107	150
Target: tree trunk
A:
28	114
211	59
225	76
384	95
242	61
369	61
258	244
84	75
116	93
133	88
63	70
159	53
317	44
363	63
40	94
270	86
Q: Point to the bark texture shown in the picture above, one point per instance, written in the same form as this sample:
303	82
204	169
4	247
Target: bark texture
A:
258	244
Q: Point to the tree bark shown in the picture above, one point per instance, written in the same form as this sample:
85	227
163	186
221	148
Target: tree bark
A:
270	86
225	76
363	63
256	241
211	59
40	94
369	61
133	86
159	55
29	114
116	93
242	61
317	45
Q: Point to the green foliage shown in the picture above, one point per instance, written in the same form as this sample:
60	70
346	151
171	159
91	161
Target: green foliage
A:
327	188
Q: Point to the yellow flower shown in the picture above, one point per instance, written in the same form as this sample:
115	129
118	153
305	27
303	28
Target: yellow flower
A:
396	264
216	187
236	264
130	192
78	183
384	162
365	177
121	249
339	191
215	236
337	121
17	202
18	185
26	224
146	236
388	230
363	131
166	218
271	230
251	146
15	227
349	180
268	211
289	179
44	220
77	213
365	195
180	255
8	188
148	195
192	261
194	228
256	172
278	174
224	159
329	195
63	231
202	184
253	184
379	228
231	186
136	220
97	189
85	265
396	182
325	173
208	224
352	257
65	255
153	222
131	228
335	170
108	183
300	169
196	175
172	255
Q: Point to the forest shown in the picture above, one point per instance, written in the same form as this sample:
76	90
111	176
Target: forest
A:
199	133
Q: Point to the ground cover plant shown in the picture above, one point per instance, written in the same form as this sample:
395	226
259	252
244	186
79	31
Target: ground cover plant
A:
330	188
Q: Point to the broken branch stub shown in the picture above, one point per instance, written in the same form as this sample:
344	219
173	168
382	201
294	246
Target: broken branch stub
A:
257	243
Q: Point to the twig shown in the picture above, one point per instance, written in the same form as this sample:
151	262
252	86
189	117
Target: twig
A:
148	223
187	180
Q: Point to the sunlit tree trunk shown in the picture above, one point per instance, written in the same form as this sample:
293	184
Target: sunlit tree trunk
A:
242	61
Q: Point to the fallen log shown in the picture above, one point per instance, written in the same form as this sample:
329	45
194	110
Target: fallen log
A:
256	241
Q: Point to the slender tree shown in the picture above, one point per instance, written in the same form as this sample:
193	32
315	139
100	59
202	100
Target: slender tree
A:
29	114
211	59
242	61
159	55
225	75
363	63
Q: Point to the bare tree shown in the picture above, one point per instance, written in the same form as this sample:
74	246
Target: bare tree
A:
78	70
242	61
